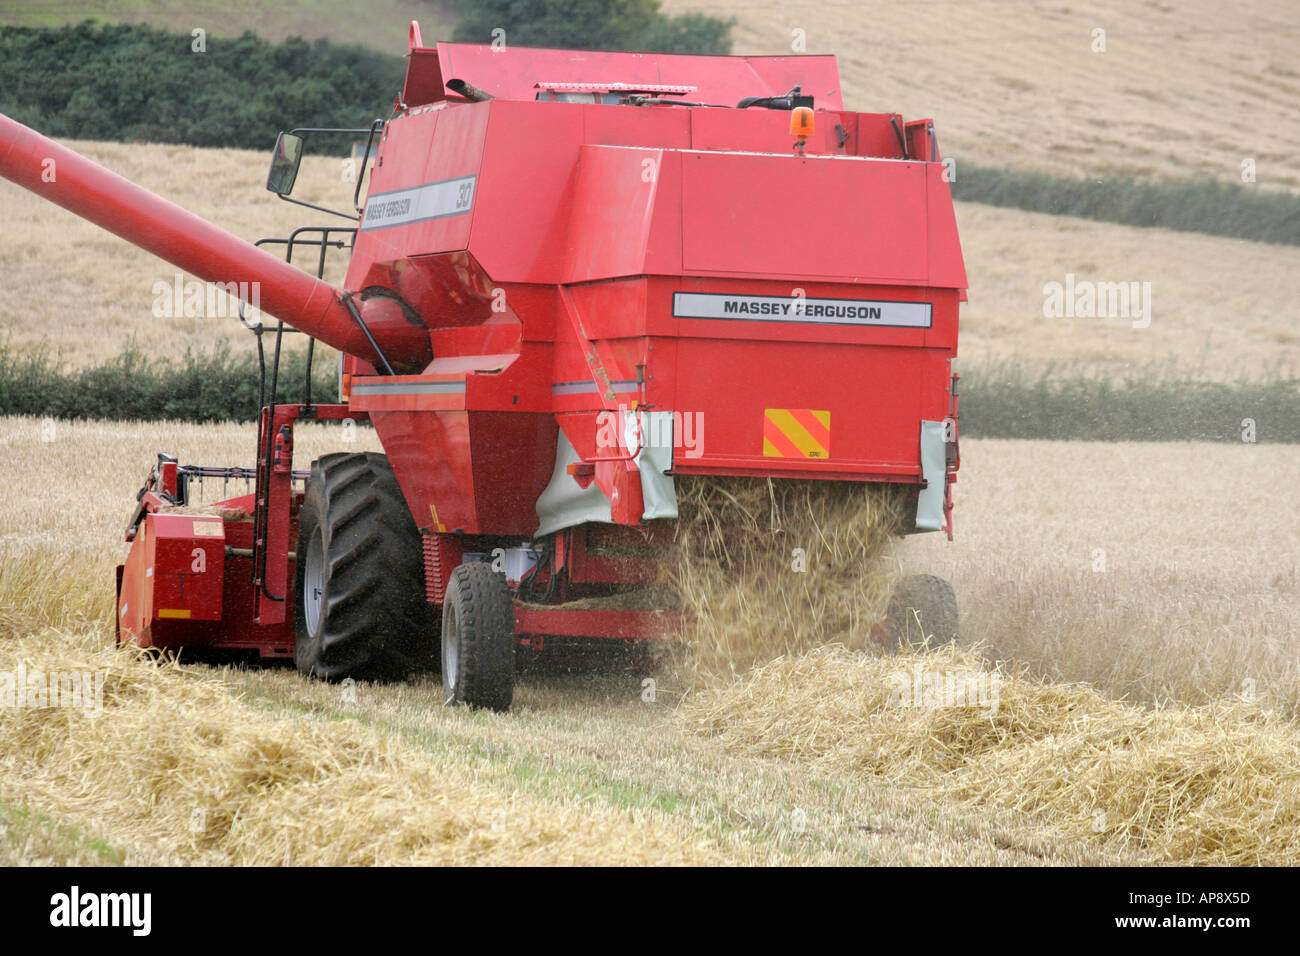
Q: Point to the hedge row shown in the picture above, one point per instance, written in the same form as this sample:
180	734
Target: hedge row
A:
197	387
999	402
1210	207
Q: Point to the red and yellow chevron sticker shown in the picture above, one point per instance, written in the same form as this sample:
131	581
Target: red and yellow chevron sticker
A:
796	433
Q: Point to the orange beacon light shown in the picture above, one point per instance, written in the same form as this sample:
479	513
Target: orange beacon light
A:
802	125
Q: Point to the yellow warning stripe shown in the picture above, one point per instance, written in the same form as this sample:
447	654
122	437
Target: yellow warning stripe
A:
796	433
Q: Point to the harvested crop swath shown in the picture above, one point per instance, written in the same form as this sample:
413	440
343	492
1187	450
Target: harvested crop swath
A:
1216	784
179	770
766	568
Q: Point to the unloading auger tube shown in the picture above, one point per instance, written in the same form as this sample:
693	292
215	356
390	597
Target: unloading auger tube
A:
209	252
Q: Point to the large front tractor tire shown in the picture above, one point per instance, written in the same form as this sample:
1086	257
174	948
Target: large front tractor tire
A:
359	580
478	639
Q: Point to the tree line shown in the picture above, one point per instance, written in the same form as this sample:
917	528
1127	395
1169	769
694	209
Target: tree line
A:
126	82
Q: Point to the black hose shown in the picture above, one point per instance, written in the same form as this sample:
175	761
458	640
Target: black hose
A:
786	102
898	131
311	348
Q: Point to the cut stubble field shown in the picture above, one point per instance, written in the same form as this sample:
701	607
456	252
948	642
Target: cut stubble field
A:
1161	574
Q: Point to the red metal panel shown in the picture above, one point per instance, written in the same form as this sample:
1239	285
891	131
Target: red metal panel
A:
490	467
173	575
943	333
873	395
761	130
623	625
666	128
239	629
525	189
423	78
188	566
921	141
134	607
664	254
514	455
858	220
611	211
406	160
877	137
943	254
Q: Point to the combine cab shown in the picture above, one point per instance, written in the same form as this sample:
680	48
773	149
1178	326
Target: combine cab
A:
575	278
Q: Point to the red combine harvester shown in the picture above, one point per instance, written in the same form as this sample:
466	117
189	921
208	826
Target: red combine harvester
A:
575	276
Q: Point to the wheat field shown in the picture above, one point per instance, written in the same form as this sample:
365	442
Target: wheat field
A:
1188	613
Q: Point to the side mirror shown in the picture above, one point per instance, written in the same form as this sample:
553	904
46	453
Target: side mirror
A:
284	164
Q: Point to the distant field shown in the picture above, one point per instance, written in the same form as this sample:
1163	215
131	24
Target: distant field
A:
1221	309
1185	87
86	293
